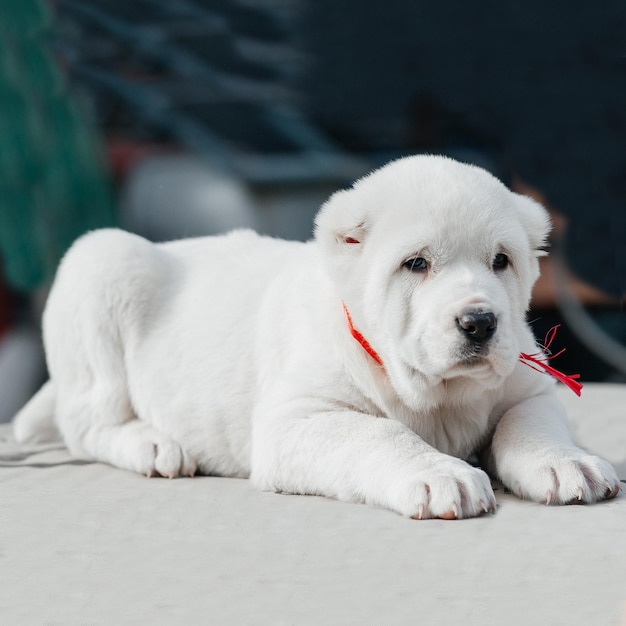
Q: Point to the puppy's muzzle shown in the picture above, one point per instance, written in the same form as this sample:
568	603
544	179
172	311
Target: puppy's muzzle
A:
477	326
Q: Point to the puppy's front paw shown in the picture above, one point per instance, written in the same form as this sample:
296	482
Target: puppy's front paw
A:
448	489
568	477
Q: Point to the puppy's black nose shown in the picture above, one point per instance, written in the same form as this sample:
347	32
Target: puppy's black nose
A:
477	326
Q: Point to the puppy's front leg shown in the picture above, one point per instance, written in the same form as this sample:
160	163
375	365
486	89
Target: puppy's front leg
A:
534	456
361	458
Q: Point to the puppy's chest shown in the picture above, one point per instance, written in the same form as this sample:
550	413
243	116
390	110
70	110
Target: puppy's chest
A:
458	431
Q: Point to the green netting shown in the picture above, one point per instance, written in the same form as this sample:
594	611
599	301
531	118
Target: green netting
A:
53	185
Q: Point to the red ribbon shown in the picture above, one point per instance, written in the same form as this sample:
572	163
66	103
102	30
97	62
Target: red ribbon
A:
537	361
359	337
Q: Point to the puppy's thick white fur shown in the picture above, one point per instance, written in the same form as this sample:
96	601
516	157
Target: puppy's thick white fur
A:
231	355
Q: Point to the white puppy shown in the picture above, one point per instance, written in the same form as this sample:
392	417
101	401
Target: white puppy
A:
364	365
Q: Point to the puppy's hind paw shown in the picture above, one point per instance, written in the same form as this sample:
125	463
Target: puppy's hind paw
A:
143	449
171	461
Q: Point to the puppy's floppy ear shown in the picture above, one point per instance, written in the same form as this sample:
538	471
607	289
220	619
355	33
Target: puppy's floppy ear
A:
340	222
536	221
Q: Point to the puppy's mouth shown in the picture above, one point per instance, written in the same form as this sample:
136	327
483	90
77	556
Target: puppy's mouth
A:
465	360
471	360
473	354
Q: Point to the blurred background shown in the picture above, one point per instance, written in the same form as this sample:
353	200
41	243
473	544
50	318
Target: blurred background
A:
192	117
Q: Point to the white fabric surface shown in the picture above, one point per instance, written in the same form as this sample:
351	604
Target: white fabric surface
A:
84	543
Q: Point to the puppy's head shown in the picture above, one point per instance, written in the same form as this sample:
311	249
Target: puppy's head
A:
435	260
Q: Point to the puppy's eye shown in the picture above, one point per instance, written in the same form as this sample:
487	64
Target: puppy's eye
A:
500	262
418	264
